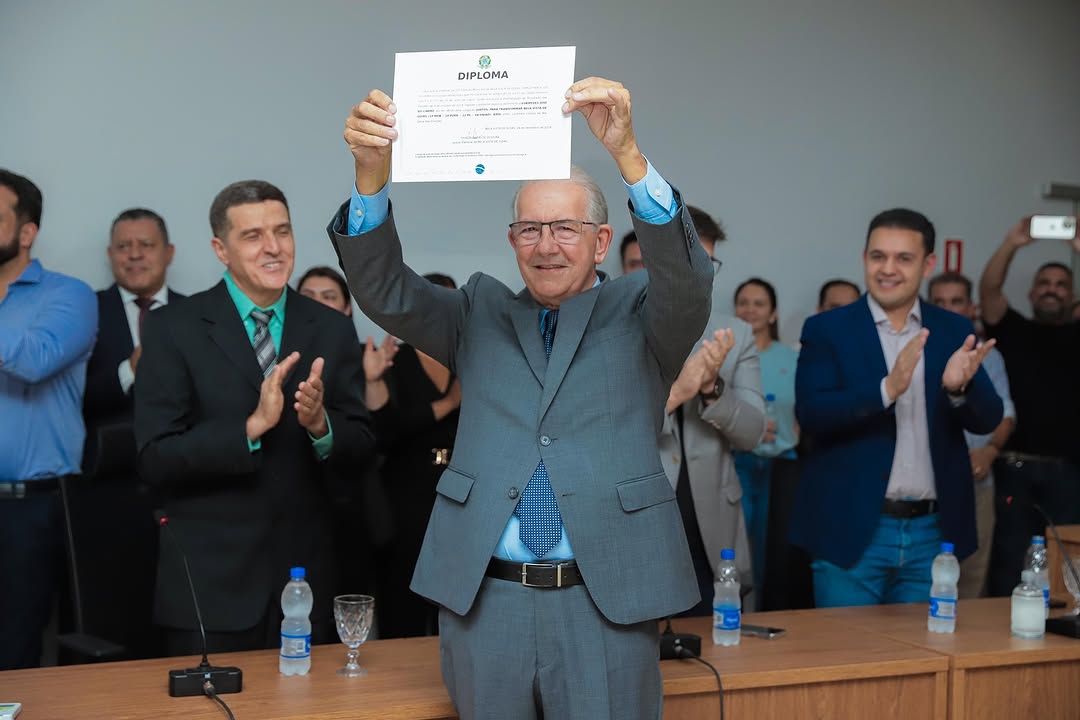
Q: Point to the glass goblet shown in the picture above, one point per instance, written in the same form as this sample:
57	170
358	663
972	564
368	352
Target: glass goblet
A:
1070	581
353	615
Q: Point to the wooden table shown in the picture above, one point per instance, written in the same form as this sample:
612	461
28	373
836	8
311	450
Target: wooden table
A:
1070	538
820	669
992	674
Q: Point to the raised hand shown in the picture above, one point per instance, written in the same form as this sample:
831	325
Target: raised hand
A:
310	412
699	372
1019	234
605	104
377	360
964	363
271	400
899	379
369	132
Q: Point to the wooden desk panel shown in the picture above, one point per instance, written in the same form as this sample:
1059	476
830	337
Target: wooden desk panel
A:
993	675
1070	538
820	669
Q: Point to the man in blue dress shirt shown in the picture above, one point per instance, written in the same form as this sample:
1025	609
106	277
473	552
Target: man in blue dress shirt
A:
48	323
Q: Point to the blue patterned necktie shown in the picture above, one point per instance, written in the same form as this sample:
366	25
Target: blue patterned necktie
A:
540	527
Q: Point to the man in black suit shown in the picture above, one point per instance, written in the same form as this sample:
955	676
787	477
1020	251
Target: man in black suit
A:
111	508
139	255
245	394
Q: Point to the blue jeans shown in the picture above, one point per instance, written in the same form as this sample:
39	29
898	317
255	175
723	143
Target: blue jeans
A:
755	475
894	568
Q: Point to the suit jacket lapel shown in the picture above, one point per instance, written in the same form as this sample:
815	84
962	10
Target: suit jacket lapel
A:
869	340
574	316
525	314
228	333
299	331
117	321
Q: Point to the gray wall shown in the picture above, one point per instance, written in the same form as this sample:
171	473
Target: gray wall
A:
792	121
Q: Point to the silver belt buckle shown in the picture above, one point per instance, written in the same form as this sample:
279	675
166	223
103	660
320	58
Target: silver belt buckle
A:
525	574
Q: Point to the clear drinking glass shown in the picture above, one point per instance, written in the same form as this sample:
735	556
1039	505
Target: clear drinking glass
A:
1070	581
353	615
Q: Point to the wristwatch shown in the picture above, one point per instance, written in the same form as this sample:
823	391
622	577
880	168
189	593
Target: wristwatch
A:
717	390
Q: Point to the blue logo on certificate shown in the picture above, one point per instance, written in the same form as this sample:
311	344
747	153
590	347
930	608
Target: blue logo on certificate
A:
480	168
485	62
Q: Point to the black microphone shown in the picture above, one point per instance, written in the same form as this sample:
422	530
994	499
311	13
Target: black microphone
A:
194	681
1067	625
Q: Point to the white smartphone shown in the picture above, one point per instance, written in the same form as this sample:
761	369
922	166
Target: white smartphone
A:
9	710
1053	227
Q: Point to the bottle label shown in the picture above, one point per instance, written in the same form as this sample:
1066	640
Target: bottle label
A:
727	618
295	647
943	608
1046	597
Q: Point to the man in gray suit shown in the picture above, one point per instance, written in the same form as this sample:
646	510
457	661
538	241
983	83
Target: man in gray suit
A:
714	407
555	541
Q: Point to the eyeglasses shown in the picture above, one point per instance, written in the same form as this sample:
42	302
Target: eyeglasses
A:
566	232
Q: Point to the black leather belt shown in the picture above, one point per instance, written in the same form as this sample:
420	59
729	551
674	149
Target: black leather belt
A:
905	509
1019	459
538	575
19	490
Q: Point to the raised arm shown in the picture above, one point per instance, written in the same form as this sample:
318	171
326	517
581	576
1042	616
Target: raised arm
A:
991	295
678	300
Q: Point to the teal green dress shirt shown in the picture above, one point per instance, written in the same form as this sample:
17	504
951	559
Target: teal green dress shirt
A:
244	306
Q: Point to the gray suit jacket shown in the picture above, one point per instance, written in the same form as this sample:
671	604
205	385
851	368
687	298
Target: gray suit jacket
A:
592	412
735	421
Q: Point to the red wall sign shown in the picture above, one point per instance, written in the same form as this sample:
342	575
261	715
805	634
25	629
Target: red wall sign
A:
954	255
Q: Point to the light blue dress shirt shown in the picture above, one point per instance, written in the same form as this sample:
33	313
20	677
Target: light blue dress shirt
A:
48	325
778	363
653	201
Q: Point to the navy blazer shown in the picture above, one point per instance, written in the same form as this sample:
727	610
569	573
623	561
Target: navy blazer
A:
851	437
105	401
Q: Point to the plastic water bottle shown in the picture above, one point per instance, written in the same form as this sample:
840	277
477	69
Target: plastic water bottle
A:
770	417
727	605
943	593
1028	616
1036	562
296	602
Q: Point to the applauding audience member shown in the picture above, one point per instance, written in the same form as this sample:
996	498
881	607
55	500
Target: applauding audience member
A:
47	326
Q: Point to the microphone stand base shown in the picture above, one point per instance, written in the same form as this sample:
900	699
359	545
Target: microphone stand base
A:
1067	625
185	683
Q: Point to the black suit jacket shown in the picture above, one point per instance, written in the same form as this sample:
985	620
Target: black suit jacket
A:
106	407
242	517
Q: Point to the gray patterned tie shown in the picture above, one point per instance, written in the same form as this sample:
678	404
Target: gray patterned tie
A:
263	343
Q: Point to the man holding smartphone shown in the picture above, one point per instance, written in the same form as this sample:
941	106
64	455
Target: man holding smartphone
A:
1041	461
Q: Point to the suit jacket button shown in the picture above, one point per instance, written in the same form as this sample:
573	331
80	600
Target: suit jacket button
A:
545	440
512	493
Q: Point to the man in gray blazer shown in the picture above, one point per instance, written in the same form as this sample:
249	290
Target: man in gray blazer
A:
555	540
715	407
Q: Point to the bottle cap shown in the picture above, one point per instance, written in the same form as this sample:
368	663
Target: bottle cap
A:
296	573
947	547
727	554
1038	540
770	398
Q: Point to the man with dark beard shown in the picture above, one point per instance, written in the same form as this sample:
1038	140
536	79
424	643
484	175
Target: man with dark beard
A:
1040	461
48	322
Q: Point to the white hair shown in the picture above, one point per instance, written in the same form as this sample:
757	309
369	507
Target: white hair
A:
596	210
